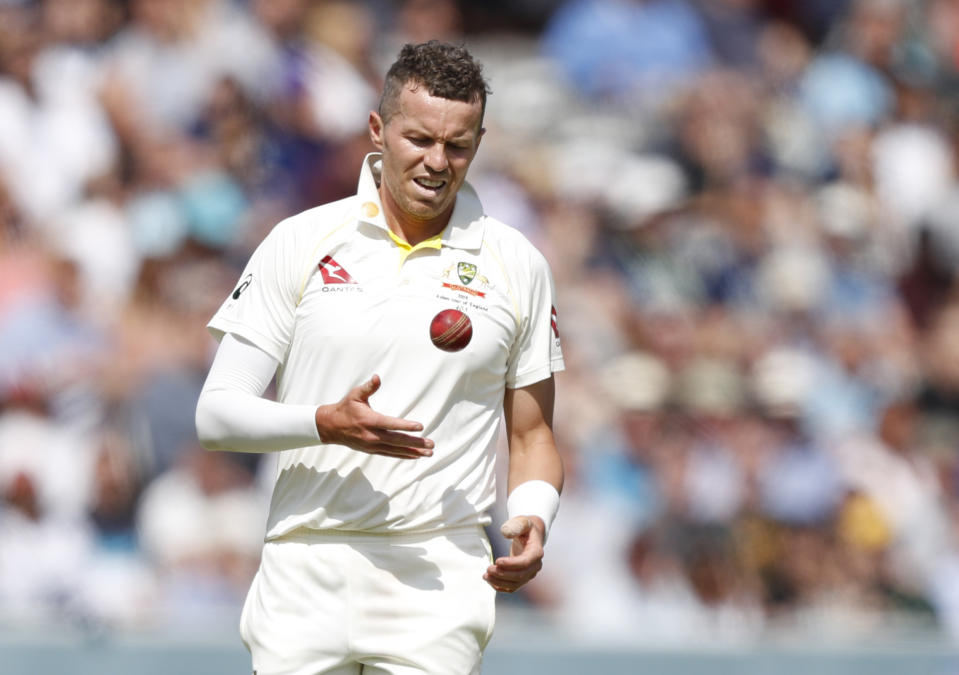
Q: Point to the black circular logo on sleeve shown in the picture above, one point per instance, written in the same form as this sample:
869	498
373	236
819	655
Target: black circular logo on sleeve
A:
242	287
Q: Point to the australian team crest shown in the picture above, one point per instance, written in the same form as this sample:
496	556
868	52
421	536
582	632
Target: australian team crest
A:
466	272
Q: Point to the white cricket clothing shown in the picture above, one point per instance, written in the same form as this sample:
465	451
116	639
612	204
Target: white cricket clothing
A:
394	605
334	297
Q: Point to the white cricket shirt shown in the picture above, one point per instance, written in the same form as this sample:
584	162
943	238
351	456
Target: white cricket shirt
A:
334	297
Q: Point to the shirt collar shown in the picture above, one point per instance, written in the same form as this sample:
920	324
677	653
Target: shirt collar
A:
465	229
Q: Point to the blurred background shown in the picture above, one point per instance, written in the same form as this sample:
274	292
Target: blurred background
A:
751	210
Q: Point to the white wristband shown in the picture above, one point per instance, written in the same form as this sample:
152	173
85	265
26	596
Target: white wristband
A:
534	498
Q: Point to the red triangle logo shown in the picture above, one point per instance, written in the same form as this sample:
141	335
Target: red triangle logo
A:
333	272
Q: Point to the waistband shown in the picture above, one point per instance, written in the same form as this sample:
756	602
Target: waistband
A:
305	535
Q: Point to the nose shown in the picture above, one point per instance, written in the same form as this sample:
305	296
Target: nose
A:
435	159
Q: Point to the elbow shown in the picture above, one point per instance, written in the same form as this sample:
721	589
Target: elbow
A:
208	430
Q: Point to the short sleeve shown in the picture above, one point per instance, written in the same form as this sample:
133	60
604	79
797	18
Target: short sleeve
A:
262	306
537	352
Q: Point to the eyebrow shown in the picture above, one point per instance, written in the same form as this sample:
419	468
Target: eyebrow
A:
414	127
460	139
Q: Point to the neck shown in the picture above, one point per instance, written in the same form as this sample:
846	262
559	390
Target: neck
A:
409	229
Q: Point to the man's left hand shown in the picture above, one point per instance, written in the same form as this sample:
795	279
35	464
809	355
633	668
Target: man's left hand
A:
525	560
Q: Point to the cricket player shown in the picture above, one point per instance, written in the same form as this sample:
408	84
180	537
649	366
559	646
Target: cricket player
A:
375	558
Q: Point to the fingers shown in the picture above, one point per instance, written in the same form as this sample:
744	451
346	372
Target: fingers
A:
507	578
364	391
395	424
514	568
358	426
504	586
515	527
387	435
517	563
395	451
509	573
400	445
394	438
368	388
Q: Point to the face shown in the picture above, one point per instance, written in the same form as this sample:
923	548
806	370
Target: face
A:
427	145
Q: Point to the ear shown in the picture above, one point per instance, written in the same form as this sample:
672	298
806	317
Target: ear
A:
376	129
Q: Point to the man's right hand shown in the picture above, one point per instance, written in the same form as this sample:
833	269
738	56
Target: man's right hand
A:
353	423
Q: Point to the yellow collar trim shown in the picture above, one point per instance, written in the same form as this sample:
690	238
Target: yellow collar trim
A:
436	242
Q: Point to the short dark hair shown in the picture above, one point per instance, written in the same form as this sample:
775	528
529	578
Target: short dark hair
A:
446	70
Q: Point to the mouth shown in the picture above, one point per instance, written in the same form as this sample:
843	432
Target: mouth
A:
430	185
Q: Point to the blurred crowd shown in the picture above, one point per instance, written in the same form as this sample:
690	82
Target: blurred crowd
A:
750	208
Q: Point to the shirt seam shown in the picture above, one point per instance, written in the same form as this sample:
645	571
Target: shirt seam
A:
310	271
224	325
534	375
517	315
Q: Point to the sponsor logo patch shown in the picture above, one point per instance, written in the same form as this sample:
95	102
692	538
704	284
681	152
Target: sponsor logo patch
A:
333	272
247	280
552	321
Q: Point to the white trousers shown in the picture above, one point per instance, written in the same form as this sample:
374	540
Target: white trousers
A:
349	604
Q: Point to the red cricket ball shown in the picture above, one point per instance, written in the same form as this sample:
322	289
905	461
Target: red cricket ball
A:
451	330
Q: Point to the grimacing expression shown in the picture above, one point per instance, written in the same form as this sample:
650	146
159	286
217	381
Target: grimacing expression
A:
428	145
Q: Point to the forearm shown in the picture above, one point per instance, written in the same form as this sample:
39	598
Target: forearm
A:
535	459
535	482
231	413
535	466
242	422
